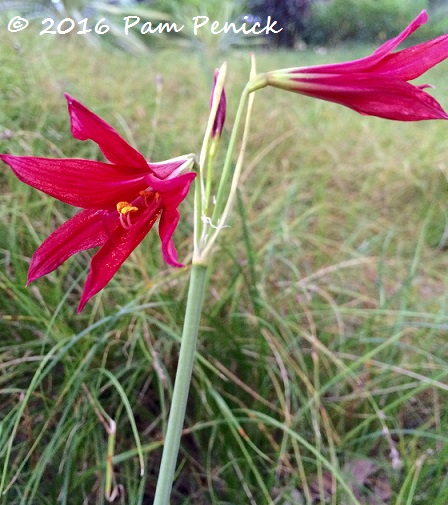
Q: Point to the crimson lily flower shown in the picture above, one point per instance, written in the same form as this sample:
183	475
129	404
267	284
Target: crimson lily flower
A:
376	85
121	200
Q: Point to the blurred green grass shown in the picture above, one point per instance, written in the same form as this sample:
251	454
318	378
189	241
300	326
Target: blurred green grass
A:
324	337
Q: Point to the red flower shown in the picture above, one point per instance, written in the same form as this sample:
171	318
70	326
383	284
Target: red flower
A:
121	200
376	85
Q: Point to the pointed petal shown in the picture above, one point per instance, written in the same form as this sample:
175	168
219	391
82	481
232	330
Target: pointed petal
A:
371	95
414	61
402	102
114	252
391	44
167	226
364	64
82	183
173	192
173	199
88	126
81	232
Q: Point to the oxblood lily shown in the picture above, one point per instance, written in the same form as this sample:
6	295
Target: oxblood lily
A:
376	85
121	200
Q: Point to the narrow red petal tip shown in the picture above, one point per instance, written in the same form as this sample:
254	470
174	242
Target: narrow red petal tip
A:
31	277
70	100
424	16
82	303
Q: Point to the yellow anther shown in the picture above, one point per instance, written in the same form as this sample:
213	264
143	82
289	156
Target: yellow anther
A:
125	207
146	193
149	197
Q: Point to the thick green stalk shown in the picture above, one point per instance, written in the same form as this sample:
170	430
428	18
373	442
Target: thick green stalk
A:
181	385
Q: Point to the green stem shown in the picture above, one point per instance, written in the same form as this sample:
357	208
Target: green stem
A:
108	485
181	385
255	83
226	170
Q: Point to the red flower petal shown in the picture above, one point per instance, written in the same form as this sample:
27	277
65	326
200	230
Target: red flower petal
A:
172	187
365	64
82	183
88	126
83	231
375	96
114	252
179	188
391	44
414	61
167	226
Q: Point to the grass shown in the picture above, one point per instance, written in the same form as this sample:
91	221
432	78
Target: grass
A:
321	373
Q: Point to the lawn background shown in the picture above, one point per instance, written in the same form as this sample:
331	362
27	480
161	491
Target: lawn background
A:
322	356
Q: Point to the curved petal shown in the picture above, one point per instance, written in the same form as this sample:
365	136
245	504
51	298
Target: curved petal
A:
391	44
164	169
365	64
114	252
88	126
414	61
83	231
82	183
173	198
173	190
123	241
167	226
372	95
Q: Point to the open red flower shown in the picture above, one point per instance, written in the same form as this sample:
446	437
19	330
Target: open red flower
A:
376	85
121	200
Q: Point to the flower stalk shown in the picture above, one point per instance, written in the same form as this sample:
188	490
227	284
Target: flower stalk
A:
181	384
223	203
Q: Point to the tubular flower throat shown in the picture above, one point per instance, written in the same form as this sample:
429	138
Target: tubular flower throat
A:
376	85
121	200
